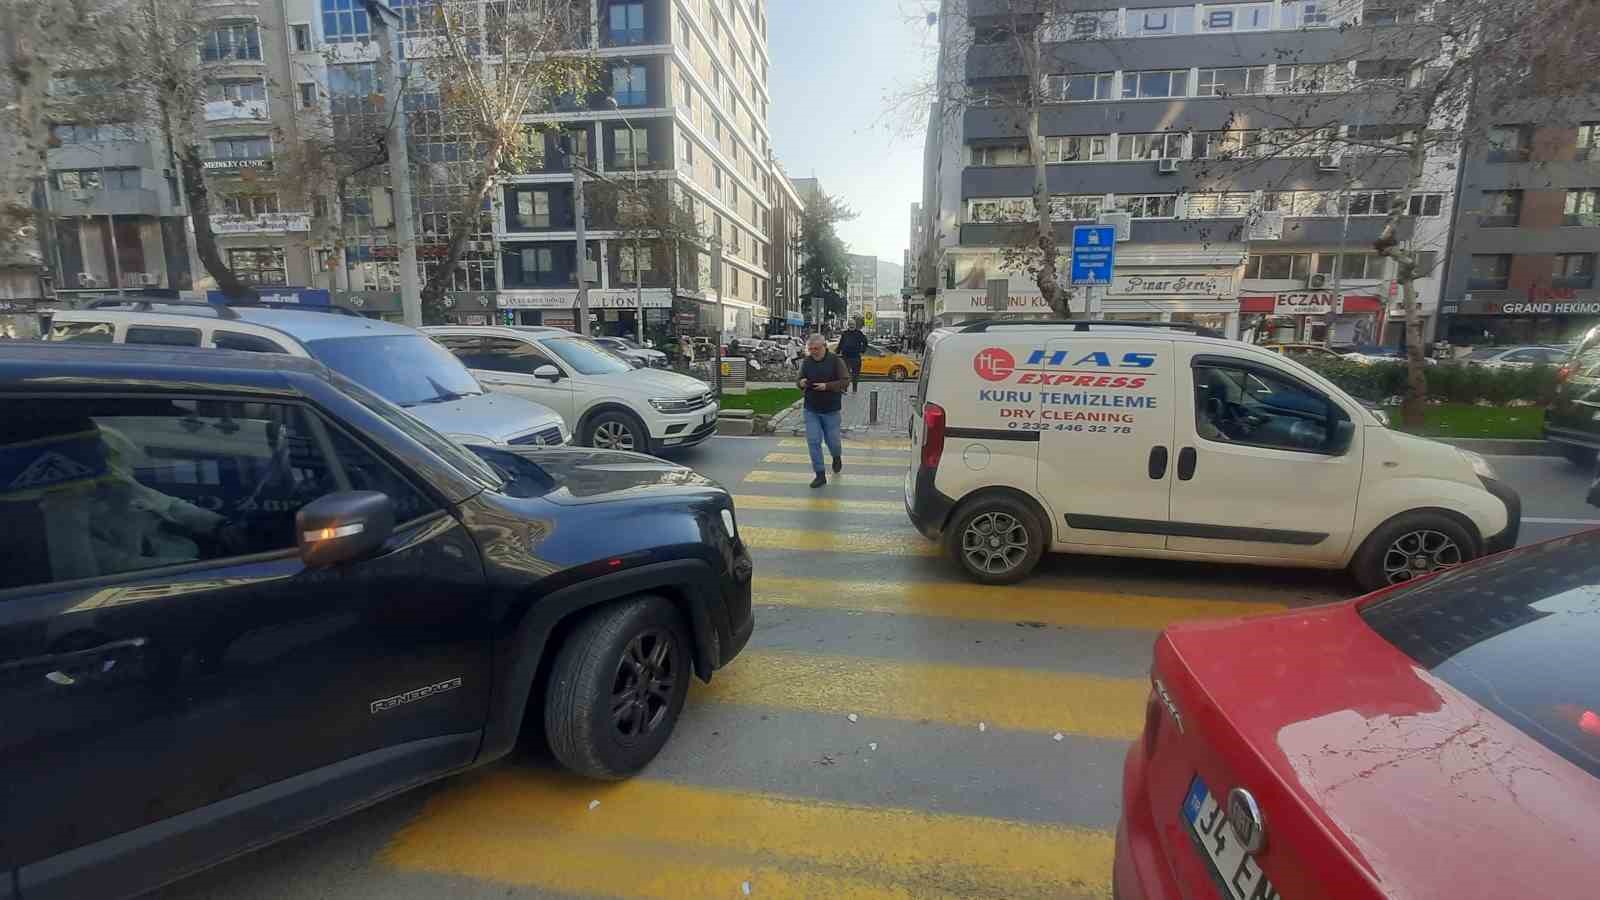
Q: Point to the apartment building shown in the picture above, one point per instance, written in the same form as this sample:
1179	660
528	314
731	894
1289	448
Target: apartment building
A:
1157	122
863	283
786	252
1527	232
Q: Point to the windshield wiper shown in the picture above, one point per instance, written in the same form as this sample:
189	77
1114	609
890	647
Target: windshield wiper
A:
443	396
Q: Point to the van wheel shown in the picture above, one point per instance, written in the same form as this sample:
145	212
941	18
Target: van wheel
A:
615	430
996	540
898	373
617	688
1410	546
1582	457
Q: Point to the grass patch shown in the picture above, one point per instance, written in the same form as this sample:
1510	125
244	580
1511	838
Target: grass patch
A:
1464	420
765	402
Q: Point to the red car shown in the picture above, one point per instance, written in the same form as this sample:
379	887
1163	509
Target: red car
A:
1435	740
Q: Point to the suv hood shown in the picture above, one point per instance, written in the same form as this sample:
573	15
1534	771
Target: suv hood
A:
657	384
497	417
596	476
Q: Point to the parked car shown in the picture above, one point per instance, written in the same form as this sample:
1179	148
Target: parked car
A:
1368	354
1304	352
1515	357
394	361
1457	715
1157	441
1572	421
244	594
602	399
641	357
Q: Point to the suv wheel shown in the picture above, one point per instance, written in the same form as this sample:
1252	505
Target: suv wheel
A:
898	373
613	430
997	540
617	688
1582	457
1410	546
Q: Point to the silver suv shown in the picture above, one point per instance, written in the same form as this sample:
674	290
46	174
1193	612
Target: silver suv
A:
393	361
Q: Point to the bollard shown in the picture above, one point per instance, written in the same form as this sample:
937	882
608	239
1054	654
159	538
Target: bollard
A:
872	408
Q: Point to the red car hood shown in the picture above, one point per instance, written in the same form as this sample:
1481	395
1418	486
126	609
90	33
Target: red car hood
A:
1424	789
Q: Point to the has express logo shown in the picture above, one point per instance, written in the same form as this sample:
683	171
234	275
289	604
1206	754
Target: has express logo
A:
994	364
997	364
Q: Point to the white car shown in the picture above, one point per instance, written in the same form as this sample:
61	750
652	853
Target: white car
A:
641	357
1516	357
599	395
1126	440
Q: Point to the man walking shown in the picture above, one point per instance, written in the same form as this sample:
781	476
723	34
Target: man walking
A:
824	378
852	344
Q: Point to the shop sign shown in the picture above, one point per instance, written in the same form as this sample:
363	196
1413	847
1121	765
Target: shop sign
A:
227	166
657	298
1307	303
1171	286
1521	308
977	301
282	296
262	224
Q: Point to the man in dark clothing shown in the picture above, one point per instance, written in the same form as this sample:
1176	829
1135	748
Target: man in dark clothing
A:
852	344
824	378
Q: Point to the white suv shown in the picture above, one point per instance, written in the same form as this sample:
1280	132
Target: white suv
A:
602	398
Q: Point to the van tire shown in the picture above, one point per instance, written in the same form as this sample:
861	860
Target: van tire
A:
594	659
1429	540
898	373
979	524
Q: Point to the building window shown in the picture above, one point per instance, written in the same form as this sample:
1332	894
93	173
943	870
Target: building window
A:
1573	271
1381	138
1501	209
1489	272
1142	85
999	209
1079	148
1351	266
118	179
345	22
1225	205
633	262
1509	143
1426	205
1371	203
537	262
1075	207
308	95
1388	15
1073	88
1007	154
633	149
1384	72
1303	203
1162	20
627	23
300	36
1164	145
258	265
1588	141
1228	82
238	40
532	209
1149	206
1313	78
237	90
250	205
1279	266
1229	145
1582	207
628	85
241	148
1307	14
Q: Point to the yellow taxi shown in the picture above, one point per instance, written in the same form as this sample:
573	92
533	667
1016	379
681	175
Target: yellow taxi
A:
878	362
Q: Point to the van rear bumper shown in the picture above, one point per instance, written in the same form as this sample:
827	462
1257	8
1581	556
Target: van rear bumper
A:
928	509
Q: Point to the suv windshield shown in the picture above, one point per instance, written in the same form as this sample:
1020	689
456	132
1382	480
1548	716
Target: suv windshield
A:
407	369
441	446
1517	634
587	357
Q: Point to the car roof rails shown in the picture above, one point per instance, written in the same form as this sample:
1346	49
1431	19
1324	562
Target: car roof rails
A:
1084	325
223	310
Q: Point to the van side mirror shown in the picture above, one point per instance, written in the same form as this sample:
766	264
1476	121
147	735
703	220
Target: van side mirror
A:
547	372
1341	432
343	527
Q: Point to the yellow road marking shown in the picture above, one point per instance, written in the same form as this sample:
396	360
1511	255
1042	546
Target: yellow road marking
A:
850	462
820	504
1076	609
898	543
857	443
1021	699
655	839
846	479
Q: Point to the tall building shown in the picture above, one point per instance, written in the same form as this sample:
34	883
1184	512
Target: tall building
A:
1148	105
786	253
863	282
915	307
1521	268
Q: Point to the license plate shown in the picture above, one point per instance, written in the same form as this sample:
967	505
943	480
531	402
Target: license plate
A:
1236	871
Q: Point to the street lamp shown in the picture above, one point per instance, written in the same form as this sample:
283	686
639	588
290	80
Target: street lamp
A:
638	278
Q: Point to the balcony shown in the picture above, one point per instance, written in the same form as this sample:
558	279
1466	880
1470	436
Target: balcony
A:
236	111
106	202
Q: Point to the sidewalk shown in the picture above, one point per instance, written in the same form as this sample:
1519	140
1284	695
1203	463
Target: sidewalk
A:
894	411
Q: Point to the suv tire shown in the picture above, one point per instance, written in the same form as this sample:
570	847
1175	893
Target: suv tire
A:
898	373
1409	545
617	688
616	430
1582	457
996	540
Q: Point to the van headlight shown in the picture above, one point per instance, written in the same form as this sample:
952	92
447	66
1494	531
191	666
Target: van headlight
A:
1480	466
675	406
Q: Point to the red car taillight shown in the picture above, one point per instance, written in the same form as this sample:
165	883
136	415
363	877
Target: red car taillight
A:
932	435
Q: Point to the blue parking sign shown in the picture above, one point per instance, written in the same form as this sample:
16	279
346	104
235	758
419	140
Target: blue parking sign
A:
1094	250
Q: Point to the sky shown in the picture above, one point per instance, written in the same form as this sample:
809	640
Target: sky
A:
835	64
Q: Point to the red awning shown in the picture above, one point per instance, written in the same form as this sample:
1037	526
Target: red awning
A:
1257	304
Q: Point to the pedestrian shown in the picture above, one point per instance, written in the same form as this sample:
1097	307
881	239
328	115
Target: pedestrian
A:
852	344
823	377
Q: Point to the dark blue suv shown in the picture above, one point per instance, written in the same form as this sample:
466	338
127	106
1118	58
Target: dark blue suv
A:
241	595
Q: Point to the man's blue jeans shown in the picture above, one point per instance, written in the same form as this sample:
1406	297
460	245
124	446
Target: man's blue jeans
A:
820	425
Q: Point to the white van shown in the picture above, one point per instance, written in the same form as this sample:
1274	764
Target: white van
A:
1162	440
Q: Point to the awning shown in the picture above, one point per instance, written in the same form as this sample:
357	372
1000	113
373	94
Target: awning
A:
1268	303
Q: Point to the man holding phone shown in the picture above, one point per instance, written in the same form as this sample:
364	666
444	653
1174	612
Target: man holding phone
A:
824	378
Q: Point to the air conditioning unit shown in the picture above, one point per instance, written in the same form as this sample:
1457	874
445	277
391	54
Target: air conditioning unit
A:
146	279
1329	163
89	280
1167	166
1317	281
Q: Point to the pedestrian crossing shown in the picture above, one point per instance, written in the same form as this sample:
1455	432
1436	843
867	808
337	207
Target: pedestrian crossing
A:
891	731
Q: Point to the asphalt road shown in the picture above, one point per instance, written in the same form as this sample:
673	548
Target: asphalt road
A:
891	731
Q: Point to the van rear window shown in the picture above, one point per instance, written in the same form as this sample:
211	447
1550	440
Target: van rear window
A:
1519	634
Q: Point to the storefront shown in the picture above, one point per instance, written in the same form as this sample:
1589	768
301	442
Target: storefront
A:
1507	322
613	312
1206	298
954	306
1313	317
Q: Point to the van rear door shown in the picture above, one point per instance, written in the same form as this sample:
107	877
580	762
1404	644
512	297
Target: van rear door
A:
1106	421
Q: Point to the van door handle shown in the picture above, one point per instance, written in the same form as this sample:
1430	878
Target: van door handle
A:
1158	462
1186	461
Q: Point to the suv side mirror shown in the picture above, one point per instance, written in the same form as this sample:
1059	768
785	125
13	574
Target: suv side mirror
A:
343	527
547	372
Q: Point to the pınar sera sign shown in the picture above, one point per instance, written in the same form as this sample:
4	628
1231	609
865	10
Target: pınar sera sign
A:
1094	249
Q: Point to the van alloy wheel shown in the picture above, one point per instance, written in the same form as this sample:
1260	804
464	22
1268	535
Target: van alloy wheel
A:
1417	553
995	542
